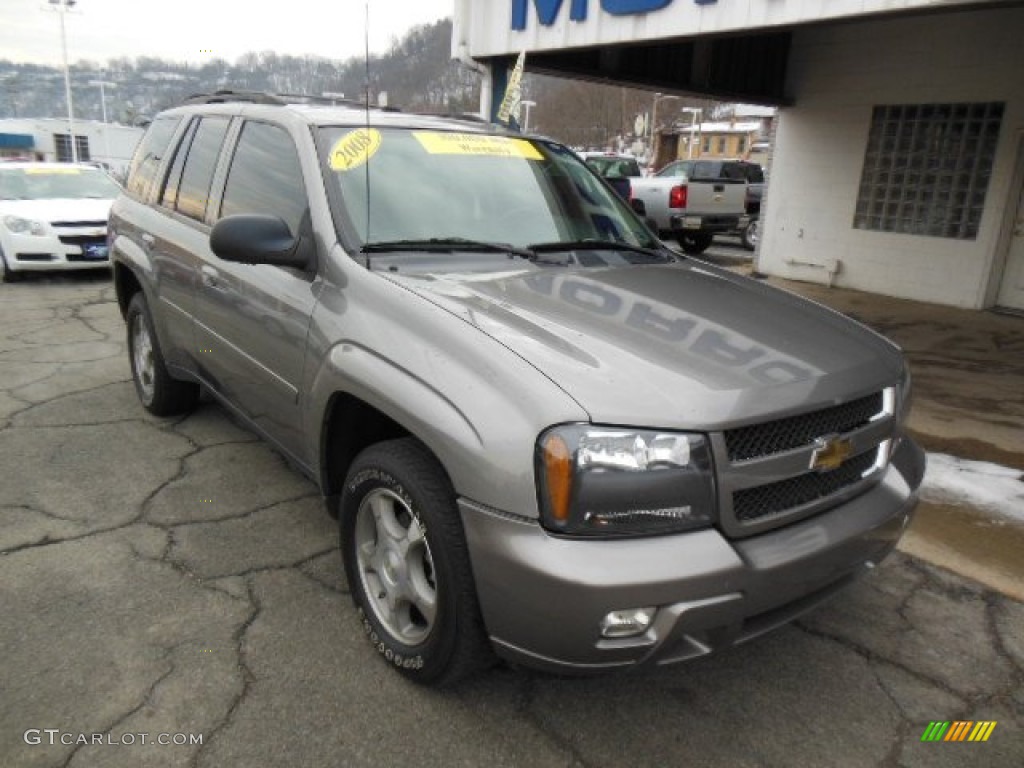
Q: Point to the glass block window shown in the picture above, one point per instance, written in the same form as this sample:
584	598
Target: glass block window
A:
927	167
63	146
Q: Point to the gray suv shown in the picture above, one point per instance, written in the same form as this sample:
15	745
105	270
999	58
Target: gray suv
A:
545	436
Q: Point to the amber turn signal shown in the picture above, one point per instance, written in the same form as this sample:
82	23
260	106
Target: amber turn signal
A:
558	476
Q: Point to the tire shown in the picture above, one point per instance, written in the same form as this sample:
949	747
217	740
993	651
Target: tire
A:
407	564
750	234
694	243
160	394
9	275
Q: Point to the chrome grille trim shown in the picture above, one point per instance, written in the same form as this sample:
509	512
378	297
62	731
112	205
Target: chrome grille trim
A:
767	438
874	436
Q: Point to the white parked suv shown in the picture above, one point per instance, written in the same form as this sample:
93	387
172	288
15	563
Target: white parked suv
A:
53	216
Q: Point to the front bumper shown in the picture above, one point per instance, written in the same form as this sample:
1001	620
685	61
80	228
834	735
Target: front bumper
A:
80	248
543	597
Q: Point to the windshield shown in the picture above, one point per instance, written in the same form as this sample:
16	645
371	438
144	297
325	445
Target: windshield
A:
433	185
55	182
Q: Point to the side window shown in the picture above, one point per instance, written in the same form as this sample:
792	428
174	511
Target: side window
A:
734	171
169	196
200	164
672	169
149	153
265	176
704	171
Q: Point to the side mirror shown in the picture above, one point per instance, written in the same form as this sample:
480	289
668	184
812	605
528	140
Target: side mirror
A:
248	238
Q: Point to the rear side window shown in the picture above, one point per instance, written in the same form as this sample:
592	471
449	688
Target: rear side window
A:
169	197
705	170
266	176
194	189
147	157
674	169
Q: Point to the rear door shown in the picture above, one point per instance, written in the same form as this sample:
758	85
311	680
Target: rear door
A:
183	233
251	321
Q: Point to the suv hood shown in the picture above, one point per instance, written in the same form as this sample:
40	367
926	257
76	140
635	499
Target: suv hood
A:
684	345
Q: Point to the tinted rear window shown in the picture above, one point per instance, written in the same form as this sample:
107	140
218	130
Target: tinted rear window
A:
194	189
148	155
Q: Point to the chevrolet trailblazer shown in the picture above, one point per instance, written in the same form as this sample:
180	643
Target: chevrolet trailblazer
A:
544	434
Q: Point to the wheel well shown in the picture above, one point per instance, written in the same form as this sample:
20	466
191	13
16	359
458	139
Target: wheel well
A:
350	426
126	285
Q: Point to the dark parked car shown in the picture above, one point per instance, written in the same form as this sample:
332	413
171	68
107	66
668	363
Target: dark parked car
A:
617	170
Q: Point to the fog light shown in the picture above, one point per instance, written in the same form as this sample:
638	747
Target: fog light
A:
635	621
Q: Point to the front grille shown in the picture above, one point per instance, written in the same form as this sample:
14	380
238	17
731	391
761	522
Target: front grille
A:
785	434
83	240
100	223
752	504
34	257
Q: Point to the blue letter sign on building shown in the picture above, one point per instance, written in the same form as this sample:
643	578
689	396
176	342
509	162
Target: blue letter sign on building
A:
630	7
547	10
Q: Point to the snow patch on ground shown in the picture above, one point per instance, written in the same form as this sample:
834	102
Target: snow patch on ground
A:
989	488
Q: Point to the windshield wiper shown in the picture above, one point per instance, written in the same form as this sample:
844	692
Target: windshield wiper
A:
596	245
447	245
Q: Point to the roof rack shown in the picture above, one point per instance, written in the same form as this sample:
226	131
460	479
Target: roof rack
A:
222	97
469	117
260	97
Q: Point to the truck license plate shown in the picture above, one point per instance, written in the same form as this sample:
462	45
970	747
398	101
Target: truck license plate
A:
691	222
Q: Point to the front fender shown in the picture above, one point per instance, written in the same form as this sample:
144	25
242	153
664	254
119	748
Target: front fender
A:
474	403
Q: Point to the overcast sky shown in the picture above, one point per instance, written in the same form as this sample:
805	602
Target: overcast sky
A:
198	30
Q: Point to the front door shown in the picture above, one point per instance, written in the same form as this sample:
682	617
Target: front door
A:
1011	292
251	321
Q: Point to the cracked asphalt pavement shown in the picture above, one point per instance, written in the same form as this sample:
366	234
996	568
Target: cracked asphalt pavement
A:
177	577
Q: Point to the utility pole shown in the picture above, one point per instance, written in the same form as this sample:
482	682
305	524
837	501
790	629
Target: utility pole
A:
103	97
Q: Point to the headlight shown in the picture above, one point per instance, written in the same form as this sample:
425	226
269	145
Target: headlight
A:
603	481
20	226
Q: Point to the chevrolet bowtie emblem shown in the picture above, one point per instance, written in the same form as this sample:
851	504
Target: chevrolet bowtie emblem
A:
830	452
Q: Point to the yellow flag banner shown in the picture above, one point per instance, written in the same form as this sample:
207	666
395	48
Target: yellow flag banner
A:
512	101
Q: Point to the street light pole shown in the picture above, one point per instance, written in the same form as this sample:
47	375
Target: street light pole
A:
103	97
694	111
62	7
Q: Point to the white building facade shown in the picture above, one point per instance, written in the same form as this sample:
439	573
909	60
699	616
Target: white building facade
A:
898	159
107	143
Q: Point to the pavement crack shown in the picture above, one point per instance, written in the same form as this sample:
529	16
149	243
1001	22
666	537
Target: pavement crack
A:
297	564
993	604
180	474
525	707
336	589
45	513
247	675
146	700
872	656
60	369
239	515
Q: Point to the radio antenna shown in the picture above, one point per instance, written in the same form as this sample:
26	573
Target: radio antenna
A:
366	97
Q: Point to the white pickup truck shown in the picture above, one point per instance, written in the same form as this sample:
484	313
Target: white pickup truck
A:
692	200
